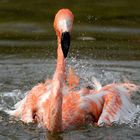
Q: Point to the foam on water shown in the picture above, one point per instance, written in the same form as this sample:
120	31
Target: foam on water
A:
9	99
134	121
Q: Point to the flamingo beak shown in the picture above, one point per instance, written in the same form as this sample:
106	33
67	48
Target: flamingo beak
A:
65	43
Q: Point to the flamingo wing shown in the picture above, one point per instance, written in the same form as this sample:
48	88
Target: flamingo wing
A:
117	104
26	108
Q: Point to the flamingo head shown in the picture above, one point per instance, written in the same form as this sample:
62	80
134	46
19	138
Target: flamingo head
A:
63	23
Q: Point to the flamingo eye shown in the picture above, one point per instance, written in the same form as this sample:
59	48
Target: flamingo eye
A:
68	22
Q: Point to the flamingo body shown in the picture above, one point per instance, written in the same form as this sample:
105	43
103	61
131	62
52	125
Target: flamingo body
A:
56	105
110	104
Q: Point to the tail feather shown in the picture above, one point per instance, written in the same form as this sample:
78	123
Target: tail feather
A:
73	79
117	104
97	84
127	88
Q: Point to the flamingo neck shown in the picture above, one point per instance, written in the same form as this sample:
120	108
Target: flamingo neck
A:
60	57
61	63
55	110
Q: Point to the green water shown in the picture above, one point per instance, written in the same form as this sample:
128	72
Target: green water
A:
85	11
102	29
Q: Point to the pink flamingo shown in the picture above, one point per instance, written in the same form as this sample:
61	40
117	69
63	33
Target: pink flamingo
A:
56	104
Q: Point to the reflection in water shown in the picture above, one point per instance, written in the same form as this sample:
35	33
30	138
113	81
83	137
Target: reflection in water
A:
50	136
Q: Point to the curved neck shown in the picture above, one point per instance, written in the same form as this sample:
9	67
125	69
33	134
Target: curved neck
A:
55	110
61	62
60	57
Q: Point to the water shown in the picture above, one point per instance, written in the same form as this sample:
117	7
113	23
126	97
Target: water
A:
105	44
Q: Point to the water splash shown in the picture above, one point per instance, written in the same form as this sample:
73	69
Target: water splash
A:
9	99
88	70
134	121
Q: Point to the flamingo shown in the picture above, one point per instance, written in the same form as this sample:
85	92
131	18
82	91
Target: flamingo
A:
58	106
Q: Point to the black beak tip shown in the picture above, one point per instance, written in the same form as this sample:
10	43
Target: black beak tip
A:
65	43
